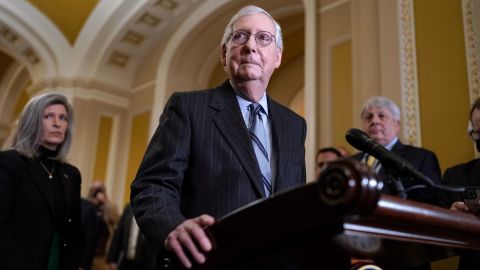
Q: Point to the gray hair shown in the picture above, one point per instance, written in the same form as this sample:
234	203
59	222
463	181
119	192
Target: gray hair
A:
251	10
381	102
28	133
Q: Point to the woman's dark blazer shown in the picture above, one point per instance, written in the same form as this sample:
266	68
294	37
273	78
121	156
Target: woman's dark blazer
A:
27	222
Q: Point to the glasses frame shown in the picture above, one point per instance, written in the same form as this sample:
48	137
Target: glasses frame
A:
475	134
248	34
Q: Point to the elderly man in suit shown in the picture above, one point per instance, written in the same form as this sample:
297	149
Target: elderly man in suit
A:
381	120
218	149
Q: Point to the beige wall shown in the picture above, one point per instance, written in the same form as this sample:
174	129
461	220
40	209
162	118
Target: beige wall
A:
89	144
104	136
139	137
335	29
342	95
443	81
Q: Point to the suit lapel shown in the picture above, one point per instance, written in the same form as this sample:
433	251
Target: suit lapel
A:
281	144
230	122
38	176
278	128
398	148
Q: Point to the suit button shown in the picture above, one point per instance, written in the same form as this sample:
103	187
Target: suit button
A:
167	264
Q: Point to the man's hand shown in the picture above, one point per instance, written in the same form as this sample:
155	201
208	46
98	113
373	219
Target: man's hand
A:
189	237
459	206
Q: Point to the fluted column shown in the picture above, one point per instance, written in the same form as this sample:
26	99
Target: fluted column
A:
311	83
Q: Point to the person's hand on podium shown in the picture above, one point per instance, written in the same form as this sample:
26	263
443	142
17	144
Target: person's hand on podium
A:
459	206
189	240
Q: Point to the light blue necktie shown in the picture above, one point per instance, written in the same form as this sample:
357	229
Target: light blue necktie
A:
260	145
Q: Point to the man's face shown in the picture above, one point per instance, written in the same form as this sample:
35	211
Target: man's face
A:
323	159
476	120
380	125
250	61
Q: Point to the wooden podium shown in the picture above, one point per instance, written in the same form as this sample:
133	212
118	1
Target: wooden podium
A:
323	225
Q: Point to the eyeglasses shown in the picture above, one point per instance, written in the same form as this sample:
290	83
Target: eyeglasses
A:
475	134
262	38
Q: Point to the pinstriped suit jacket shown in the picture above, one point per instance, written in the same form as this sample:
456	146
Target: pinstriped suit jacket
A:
201	160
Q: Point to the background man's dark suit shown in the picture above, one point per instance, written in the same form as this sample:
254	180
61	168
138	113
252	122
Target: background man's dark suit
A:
90	233
118	247
465	174
26	197
207	162
422	160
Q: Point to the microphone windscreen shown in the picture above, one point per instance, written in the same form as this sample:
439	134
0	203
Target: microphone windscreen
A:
359	140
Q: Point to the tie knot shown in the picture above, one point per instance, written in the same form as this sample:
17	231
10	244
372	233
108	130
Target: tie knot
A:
255	113
255	108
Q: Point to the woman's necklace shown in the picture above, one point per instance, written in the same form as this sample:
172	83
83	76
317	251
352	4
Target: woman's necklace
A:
50	173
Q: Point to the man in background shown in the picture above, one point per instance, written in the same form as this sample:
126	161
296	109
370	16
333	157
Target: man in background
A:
127	248
107	217
325	155
466	174
90	232
216	150
381	121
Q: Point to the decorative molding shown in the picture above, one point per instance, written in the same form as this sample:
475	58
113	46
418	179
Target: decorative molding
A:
8	35
31	38
96	95
167	4
471	27
146	86
18	47
149	20
31	56
88	90
119	59
133	37
104	35
408	74
119	35
333	5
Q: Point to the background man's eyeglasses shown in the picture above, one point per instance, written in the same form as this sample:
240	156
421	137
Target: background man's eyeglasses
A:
262	38
475	134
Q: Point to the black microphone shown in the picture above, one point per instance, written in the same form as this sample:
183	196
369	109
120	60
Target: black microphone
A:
363	142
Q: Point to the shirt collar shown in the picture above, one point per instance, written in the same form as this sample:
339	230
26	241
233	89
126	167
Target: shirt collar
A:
390	145
243	102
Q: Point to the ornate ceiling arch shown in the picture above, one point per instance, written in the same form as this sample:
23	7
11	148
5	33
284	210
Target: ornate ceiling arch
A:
119	35
33	40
